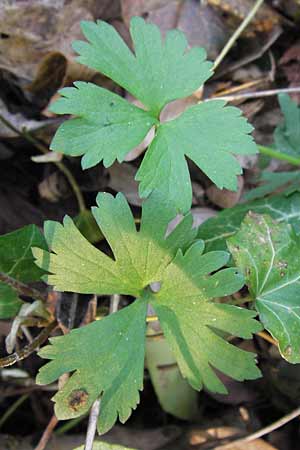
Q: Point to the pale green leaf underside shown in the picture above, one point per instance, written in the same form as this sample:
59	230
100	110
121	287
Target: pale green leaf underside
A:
156	73
16	261
188	318
140	256
106	126
268	253
216	230
209	134
108	358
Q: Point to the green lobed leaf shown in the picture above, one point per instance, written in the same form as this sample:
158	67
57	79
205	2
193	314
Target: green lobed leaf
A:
16	261
203	130
108	358
184	304
268	253
140	256
106	128
190	319
271	181
157	73
216	230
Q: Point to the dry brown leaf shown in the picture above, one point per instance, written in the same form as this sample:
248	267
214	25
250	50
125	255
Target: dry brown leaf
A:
223	197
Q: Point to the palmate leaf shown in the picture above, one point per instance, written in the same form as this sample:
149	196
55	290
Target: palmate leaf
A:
201	131
106	126
282	209
107	356
268	253
17	262
156	73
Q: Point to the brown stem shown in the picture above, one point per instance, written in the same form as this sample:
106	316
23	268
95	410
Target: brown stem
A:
30	348
47	433
22	289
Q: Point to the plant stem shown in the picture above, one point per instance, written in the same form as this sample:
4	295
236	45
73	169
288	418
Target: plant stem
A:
258	94
30	348
267	338
278	155
13	408
22	289
237	33
47	433
44	149
258	434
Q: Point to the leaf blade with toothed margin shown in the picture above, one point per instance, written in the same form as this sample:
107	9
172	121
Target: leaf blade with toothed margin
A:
108	358
203	130
268	253
168	70
189	319
140	256
106	126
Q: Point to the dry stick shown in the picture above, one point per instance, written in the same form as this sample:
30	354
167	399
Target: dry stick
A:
258	434
258	94
22	288
44	149
95	410
47	433
237	33
30	348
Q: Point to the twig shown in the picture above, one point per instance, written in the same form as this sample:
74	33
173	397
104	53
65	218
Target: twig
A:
22	288
47	433
258	94
44	149
91	430
237	33
278	155
267	338
114	303
258	434
12	409
30	348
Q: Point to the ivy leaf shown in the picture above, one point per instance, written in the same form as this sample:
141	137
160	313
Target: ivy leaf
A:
201	131
106	127
268	253
107	357
140	256
216	230
157	73
17	262
287	134
189	319
271	181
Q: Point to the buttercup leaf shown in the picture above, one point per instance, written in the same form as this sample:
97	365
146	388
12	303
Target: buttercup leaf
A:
106	126
108	355
157	73
268	253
